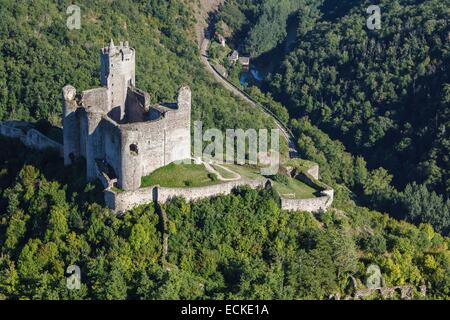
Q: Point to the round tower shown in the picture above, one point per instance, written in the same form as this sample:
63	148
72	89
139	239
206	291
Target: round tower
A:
130	174
71	130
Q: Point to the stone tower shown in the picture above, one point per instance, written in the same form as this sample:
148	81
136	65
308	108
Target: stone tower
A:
115	128
118	72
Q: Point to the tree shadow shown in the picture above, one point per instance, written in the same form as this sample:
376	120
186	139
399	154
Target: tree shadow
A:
333	10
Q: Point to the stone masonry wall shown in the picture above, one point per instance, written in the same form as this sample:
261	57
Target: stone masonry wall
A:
314	204
32	138
37	140
309	205
11	132
127	200
314	171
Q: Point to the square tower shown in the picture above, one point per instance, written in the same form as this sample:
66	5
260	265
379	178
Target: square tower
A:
118	72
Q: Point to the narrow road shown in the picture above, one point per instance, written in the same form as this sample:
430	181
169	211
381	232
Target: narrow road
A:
287	134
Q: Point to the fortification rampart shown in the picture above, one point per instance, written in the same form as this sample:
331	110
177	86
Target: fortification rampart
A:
127	200
309	205
322	202
28	136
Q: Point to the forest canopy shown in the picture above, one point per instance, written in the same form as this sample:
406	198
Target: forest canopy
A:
383	95
240	246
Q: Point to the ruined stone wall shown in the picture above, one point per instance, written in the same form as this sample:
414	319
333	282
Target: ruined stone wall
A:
309	205
314	204
10	132
137	104
96	99
71	125
178	129
132	158
36	140
127	200
314	171
83	131
147	146
95	148
191	194
112	144
32	138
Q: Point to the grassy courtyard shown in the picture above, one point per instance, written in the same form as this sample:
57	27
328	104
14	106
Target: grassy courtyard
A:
247	171
291	188
196	175
180	176
294	189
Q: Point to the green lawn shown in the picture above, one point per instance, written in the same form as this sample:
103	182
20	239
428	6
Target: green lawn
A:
180	176
294	189
247	171
224	173
193	175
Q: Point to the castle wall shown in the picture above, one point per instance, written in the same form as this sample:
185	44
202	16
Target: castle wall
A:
127	200
83	131
94	146
32	138
97	99
323	202
314	171
71	130
136	105
36	140
11	132
153	145
192	194
178	131
131	155
113	145
309	205
159	142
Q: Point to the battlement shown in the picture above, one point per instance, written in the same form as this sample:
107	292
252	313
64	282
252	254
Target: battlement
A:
112	49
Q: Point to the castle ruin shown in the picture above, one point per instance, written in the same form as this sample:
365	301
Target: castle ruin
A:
123	138
117	130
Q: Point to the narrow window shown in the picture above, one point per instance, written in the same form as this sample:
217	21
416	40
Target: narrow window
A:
134	149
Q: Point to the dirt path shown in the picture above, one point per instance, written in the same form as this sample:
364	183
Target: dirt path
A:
211	169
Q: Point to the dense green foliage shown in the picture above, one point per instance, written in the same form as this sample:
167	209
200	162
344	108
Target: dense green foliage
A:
372	188
237	246
39	55
384	93
262	23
